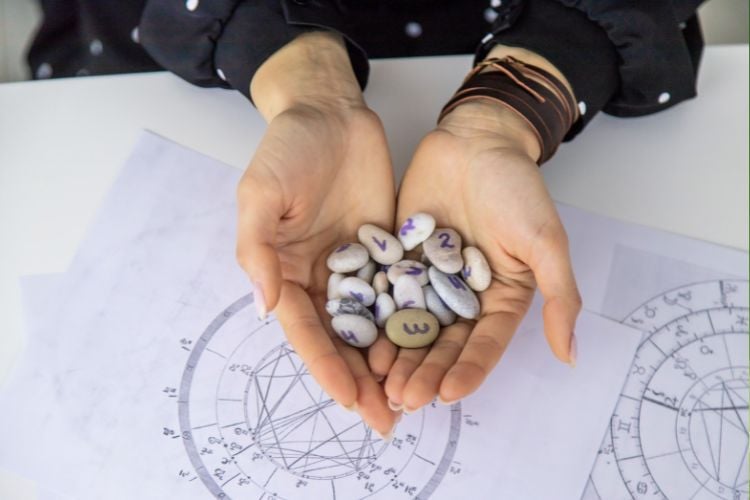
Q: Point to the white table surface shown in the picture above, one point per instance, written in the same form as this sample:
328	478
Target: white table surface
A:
62	142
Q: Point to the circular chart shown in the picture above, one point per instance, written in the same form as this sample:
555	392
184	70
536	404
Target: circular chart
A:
680	428
256	425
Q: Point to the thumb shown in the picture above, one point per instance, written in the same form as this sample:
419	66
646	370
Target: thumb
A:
260	210
562	302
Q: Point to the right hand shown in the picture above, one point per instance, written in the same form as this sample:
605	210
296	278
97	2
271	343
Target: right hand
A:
321	170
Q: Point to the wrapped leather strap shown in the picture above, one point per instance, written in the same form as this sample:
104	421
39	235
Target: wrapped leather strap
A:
537	96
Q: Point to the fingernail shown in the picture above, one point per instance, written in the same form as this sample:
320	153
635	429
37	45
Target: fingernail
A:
573	350
394	406
260	302
446	403
409	411
387	437
379	378
351	407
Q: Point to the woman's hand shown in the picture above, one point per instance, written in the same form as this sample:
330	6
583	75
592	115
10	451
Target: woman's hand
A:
321	170
476	173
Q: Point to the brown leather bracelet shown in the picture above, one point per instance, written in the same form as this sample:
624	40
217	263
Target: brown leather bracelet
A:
537	96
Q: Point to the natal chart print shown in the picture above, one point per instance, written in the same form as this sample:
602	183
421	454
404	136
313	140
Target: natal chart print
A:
256	425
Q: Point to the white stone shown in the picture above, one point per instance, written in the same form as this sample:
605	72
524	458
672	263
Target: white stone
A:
437	307
408	294
664	97
358	290
347	305
455	293
476	271
413	29
380	282
348	258
408	268
355	330
384	248
416	229
334	281
367	272
384	308
443	248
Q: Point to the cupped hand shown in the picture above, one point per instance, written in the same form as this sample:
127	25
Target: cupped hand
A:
476	173
321	170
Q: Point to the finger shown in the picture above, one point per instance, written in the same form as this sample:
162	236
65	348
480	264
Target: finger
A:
424	384
553	272
372	404
486	344
381	355
313	344
260	210
406	363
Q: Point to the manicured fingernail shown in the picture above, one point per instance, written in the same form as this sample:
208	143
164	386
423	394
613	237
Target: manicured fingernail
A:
573	350
387	437
260	302
351	407
446	403
409	411
394	406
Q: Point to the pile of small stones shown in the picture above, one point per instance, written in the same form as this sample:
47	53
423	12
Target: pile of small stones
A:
373	286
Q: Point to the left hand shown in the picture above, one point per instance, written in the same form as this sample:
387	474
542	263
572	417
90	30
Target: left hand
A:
476	173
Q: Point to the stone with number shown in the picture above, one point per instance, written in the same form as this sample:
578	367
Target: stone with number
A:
412	328
456	294
408	268
384	308
443	249
415	229
358	290
476	271
384	248
347	258
408	294
437	307
347	305
355	330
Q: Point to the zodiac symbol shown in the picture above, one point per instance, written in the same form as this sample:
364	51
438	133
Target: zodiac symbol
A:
456	282
446	241
343	247
349	336
408	225
381	244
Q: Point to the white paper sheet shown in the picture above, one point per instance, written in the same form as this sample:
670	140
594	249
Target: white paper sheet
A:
126	401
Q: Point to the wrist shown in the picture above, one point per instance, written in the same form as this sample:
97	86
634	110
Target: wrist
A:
313	70
488	119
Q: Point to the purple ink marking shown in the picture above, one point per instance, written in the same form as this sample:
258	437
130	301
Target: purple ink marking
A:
413	271
407	304
385	268
357	296
466	272
446	240
381	244
343	247
348	335
415	329
409	224
456	282
377	311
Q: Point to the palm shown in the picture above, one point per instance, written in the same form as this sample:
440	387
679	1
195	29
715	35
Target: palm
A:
321	176
497	201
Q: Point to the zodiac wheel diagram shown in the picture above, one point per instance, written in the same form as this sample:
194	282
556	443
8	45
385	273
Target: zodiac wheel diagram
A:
256	425
680	428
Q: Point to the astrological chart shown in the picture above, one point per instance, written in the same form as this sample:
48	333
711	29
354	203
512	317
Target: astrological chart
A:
256	425
680	428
